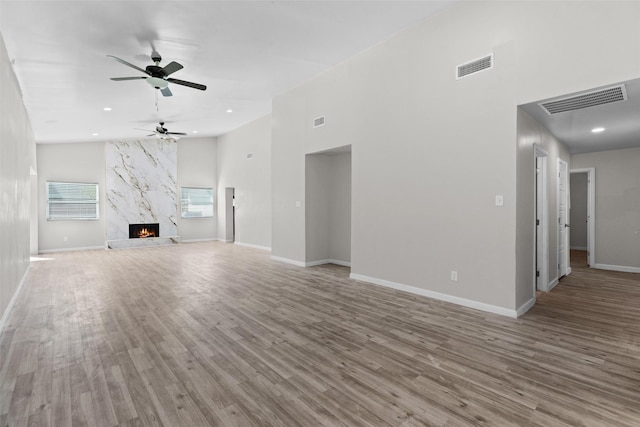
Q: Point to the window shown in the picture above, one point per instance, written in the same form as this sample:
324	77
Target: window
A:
197	202
72	200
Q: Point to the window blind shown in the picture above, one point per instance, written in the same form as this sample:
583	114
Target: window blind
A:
196	202
72	200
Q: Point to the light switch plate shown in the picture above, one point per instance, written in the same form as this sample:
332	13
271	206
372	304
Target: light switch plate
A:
499	200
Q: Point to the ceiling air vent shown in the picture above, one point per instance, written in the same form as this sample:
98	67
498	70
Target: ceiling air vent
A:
585	100
475	66
318	121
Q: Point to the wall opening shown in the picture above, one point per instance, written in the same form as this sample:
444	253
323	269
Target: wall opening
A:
328	207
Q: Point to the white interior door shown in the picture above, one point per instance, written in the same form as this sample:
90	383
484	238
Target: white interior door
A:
541	281
563	222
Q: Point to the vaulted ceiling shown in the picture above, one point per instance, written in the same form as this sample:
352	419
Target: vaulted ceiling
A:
245	52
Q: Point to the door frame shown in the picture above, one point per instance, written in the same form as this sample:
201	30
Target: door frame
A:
591	212
230	215
566	224
541	212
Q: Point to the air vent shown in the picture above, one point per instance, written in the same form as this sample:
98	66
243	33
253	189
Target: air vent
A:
484	63
318	121
585	100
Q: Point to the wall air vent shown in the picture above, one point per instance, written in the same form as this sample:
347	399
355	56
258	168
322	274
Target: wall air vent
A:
318	121
484	63
585	100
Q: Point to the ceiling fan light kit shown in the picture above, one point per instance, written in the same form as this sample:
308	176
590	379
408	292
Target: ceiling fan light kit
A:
158	77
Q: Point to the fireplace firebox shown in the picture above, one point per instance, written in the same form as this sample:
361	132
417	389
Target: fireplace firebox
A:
141	231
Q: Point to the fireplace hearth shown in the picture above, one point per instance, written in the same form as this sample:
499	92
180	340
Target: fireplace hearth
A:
143	231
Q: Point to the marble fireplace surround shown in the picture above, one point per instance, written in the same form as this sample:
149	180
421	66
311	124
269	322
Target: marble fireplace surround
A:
141	188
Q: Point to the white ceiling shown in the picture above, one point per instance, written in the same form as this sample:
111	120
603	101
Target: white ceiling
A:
621	121
246	52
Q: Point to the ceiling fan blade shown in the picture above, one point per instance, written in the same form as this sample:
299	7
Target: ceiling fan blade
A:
175	133
152	134
166	92
128	64
171	68
188	84
119	79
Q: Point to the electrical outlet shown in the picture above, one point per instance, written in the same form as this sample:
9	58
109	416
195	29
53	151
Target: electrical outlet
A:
454	276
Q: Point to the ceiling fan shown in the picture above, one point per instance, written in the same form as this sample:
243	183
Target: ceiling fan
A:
163	133
158	76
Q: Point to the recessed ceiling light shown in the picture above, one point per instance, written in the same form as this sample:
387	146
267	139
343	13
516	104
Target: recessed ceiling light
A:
95	134
107	108
229	111
597	130
195	131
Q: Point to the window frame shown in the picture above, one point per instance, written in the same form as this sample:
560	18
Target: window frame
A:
182	212
95	202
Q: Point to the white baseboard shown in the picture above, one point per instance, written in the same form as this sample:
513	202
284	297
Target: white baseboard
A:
568	271
622	268
525	307
220	239
339	262
12	303
327	261
437	295
552	284
578	248
85	248
251	245
288	261
210	239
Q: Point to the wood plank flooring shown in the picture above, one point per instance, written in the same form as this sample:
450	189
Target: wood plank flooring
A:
215	334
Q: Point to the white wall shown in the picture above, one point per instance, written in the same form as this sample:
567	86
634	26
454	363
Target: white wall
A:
17	158
531	132
578	215
85	162
317	222
441	149
251	179
197	168
617	225
340	208
77	162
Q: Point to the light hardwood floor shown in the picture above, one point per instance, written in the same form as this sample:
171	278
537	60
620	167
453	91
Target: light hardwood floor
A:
217	334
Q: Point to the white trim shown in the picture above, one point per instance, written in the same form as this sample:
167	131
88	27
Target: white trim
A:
210	239
543	253
339	262
578	248
567	203
437	295
568	271
85	248
12	303
622	268
251	245
223	240
525	307
288	261
591	212
552	284
328	261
